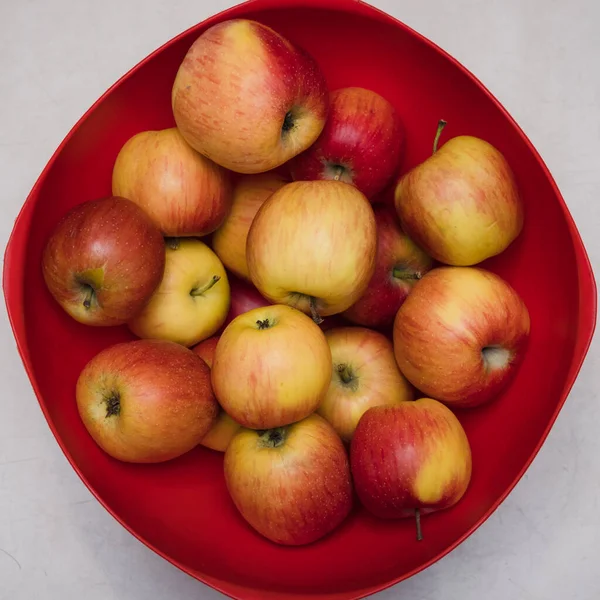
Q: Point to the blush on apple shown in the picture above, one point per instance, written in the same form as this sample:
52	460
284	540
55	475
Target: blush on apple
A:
362	142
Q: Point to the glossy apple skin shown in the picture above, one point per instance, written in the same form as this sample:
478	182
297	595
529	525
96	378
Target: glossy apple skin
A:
313	239
229	240
222	432
364	374
180	310
408	456
294	493
399	264
440	332
185	193
272	367
462	205
108	245
233	90
362	142
166	403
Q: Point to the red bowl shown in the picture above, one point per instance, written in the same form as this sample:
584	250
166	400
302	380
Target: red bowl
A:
181	509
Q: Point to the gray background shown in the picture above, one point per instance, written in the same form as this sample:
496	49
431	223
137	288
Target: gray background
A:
539	57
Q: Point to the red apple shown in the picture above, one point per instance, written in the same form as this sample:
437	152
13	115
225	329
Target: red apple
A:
410	459
244	297
229	240
362	142
312	245
461	205
460	335
399	264
272	367
185	193
247	98
103	261
291	484
365	374
222	432
146	401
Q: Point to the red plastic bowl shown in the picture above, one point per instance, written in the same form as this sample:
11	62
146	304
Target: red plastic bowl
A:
182	509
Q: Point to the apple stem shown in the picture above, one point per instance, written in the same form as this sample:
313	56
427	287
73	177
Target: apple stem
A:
314	313
199	291
338	172
438	133
418	524
406	275
87	301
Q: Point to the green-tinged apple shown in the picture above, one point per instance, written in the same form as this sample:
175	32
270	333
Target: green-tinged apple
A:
103	261
146	401
185	193
272	367
461	334
362	142
410	459
247	98
291	484
399	264
365	374
222	432
229	240
312	245
462	205
192	301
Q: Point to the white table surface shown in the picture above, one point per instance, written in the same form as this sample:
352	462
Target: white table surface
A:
540	58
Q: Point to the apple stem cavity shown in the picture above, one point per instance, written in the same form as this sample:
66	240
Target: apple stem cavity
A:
314	313
288	123
495	357
173	243
89	296
198	291
418	524
339	171
438	133
404	275
113	405
272	438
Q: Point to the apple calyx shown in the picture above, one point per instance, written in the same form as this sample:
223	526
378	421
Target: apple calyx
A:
289	122
400	272
113	404
198	291
346	376
418	524
272	438
264	324
438	133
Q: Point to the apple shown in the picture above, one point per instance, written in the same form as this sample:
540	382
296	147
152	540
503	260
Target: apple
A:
410	459
364	374
460	335
185	193
146	401
103	261
399	264
362	142
248	98
291	484
229	240
244	297
192	301
312	245
272	367
461	205
225	427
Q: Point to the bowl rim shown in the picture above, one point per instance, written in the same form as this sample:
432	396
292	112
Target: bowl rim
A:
15	253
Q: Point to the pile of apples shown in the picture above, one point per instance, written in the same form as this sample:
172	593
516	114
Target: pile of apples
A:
283	312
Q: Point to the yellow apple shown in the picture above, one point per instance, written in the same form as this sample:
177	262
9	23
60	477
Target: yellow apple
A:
192	300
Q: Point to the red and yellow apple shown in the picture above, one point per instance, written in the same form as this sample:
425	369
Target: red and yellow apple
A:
192	300
312	246
229	240
291	484
362	142
222	432
247	98
185	193
103	261
146	401
461	205
460	335
272	367
399	264
365	374
410	459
